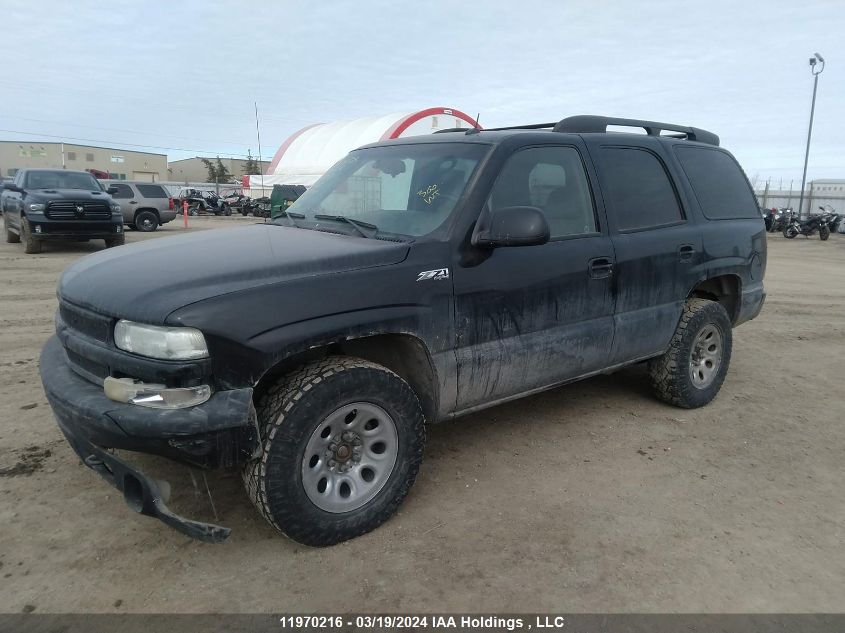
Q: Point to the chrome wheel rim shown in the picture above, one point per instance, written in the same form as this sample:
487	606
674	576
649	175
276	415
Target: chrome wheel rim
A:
146	224
349	457
706	356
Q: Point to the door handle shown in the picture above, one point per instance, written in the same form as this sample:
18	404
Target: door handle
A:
600	267
133	202
686	252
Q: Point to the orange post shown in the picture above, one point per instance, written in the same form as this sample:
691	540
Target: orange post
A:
185	212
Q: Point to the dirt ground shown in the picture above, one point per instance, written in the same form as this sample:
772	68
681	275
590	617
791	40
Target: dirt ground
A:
591	497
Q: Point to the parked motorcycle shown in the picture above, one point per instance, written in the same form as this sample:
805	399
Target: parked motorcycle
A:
834	219
779	219
812	225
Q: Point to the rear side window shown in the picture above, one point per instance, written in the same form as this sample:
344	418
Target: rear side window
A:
718	183
638	189
152	191
124	192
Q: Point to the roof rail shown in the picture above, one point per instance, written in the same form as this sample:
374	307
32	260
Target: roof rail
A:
589	123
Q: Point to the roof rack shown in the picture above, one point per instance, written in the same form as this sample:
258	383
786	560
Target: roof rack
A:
585	124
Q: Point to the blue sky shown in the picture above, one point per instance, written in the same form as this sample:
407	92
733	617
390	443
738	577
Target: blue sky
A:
184	75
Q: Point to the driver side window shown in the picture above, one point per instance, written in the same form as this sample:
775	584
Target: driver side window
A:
553	180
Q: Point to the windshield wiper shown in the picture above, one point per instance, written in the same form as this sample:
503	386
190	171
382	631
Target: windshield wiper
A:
358	225
290	215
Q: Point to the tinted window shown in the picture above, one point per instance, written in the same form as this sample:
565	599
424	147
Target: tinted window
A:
152	191
123	191
553	180
718	182
638	189
61	180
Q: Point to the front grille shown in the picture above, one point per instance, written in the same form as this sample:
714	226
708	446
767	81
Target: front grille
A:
88	323
70	210
89	367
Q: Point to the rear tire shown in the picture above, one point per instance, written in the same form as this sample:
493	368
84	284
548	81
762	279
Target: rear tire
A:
691	372
32	246
789	232
146	221
335	422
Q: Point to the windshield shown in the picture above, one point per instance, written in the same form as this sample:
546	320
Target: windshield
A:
61	180
407	190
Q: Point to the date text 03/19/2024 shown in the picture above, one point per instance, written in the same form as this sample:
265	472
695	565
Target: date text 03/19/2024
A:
424	622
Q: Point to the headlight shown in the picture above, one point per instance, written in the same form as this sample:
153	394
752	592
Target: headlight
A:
115	207
167	343
36	206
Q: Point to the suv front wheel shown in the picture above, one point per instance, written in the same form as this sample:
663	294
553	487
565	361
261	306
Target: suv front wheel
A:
341	443
692	370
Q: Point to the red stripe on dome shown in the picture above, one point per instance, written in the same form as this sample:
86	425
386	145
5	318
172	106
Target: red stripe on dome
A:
395	130
284	147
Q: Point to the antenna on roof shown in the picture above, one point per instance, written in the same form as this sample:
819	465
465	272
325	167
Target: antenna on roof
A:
475	129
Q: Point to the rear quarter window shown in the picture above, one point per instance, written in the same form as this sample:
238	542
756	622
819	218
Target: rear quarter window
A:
152	191
718	182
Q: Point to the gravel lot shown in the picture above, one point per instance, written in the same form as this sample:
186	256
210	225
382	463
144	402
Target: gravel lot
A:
591	497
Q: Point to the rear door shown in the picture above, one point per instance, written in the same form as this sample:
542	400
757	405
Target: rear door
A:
657	244
154	196
533	316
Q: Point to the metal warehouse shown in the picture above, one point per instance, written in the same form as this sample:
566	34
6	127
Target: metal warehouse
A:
117	163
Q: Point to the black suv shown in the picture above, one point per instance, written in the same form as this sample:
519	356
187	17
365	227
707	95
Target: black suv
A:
59	204
418	280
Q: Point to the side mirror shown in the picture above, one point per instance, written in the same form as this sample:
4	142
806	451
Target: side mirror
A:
8	186
112	190
513	226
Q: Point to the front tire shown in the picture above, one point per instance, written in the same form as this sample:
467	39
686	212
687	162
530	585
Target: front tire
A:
789	232
32	246
117	240
691	372
341	443
824	233
11	236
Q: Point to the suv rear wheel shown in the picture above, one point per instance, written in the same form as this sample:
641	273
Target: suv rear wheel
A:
31	245
692	370
342	440
146	221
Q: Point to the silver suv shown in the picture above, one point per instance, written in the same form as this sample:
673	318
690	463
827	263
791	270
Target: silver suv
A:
145	205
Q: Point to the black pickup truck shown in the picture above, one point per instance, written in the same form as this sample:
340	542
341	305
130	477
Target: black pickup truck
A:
418	280
59	205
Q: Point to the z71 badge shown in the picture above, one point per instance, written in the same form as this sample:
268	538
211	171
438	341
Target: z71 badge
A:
433	275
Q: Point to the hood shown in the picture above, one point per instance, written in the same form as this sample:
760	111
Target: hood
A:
149	280
68	194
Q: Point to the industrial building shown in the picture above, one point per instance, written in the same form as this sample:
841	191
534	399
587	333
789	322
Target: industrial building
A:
194	170
116	163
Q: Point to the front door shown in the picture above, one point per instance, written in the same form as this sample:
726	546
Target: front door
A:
532	316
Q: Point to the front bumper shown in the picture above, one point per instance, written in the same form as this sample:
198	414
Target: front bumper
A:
218	432
74	230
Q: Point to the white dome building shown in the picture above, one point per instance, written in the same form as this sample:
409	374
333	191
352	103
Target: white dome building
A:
309	153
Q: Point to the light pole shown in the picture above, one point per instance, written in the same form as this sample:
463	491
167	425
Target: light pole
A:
816	59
